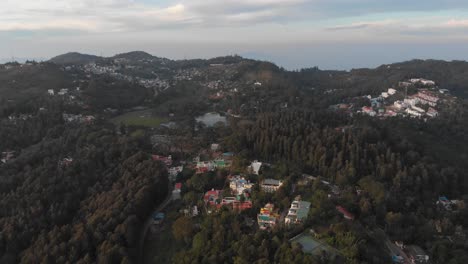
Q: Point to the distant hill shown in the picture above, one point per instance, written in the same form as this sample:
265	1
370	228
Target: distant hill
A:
74	58
134	55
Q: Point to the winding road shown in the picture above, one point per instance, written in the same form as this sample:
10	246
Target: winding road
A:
149	221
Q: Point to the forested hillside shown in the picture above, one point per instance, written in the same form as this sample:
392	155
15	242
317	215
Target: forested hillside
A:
78	194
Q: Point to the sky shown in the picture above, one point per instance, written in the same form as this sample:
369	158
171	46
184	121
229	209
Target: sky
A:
330	34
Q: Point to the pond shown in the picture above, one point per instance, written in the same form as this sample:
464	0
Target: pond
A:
210	119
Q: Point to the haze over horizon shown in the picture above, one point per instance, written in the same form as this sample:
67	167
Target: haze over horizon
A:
333	34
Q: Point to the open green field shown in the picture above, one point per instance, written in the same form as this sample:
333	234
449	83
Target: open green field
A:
139	118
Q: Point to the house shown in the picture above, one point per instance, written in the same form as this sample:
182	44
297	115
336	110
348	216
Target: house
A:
88	119
212	197
158	218
7	156
390	113
228	155
431	112
416	254
425	97
255	167
422	81
240	206
345	213
445	202
268	217
444	91
219	164
404	84
214	147
305	179
190	211
166	160
413	112
65	162
63	92
239	185
50	92
174	171
270	185
298	212
384	95
258	84
410	101
368	110
176	192
391	91
205	166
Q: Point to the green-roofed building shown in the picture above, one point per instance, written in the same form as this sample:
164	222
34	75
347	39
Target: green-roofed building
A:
298	212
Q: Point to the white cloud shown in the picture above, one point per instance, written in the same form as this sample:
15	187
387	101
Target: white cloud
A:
128	15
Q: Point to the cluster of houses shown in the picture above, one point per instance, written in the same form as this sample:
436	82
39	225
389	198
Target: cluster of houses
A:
23	117
71	118
239	185
447	204
211	165
403	254
217	160
215	199
412	105
238	198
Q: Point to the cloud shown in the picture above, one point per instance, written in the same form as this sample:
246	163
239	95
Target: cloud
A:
298	19
130	15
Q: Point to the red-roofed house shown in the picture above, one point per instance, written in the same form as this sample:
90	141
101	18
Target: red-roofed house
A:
212	197
166	160
346	214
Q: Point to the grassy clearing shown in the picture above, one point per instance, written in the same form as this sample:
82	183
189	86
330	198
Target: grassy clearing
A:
139	118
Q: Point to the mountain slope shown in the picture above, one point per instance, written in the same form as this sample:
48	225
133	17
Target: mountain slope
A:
74	58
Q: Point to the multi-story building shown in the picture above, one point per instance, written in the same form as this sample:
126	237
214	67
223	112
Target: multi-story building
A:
298	212
267	218
271	185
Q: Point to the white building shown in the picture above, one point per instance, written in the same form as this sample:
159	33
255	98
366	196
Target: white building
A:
385	95
63	92
255	167
410	101
422	81
51	92
413	113
214	147
391	91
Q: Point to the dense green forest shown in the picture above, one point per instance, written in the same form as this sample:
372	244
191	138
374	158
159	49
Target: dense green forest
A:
84	211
